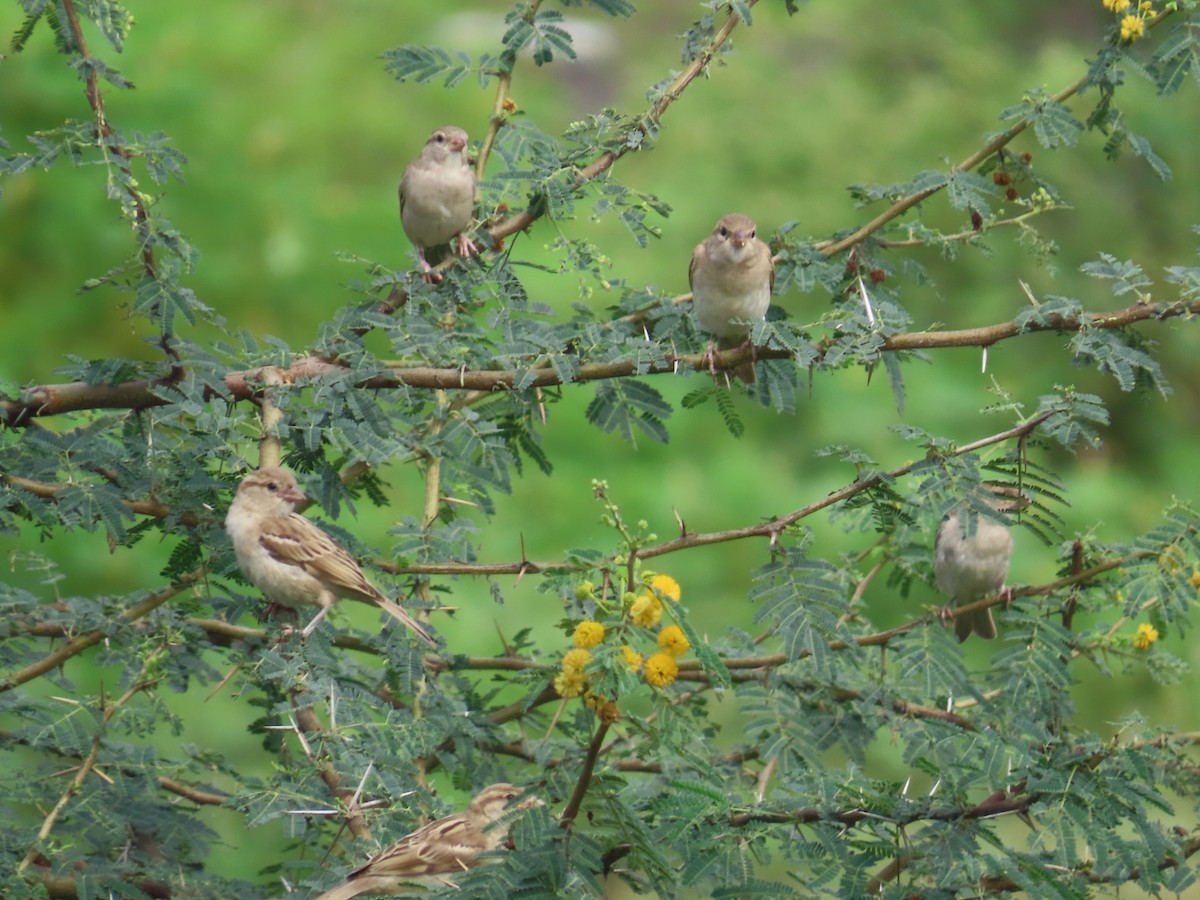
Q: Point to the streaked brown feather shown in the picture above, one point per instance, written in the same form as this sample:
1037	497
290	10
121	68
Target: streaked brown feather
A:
439	849
298	542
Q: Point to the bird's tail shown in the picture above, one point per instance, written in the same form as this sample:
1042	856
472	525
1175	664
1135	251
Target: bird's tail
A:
345	891
980	622
400	615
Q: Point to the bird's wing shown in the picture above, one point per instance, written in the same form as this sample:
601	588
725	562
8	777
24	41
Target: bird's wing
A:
406	184
443	847
295	541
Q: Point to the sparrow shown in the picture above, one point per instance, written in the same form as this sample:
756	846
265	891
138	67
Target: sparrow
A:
292	561
968	568
440	849
731	276
437	196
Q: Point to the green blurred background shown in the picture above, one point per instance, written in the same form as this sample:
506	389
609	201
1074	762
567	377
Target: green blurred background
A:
296	139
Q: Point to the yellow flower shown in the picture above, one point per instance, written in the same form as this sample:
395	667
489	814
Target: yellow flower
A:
673	641
1171	560
569	684
1146	6
666	586
646	610
1132	28
632	658
661	669
603	707
575	660
1116	5
588	634
1194	581
1146	635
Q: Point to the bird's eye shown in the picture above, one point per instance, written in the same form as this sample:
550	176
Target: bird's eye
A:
723	231
272	486
440	138
753	235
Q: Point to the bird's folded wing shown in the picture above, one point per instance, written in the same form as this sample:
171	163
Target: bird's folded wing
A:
295	541
442	847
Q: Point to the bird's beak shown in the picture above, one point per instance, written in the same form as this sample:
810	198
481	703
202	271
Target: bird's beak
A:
294	495
457	144
738	240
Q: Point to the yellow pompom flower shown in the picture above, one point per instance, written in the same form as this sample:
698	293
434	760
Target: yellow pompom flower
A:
1194	581
574	660
661	669
1132	28
673	641
666	586
1116	5
646	610
569	684
588	634
631	658
1146	635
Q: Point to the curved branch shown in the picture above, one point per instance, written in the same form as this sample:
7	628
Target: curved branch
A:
501	105
109	149
522	220
901	206
77	645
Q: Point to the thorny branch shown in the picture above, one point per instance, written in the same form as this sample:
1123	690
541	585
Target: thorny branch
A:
522	220
107	146
51	400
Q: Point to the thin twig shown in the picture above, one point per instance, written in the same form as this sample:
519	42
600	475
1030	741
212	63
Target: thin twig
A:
88	765
526	217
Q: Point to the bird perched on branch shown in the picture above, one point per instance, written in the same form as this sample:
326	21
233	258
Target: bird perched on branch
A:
437	197
732	276
969	567
433	853
292	561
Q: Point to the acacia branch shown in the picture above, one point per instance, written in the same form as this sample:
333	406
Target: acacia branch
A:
584	781
77	645
308	723
526	217
104	132
770	529
501	106
58	399
141	683
171	785
901	206
109	148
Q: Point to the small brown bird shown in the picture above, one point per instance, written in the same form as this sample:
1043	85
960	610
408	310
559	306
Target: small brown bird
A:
292	561
437	196
440	849
732	276
968	568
